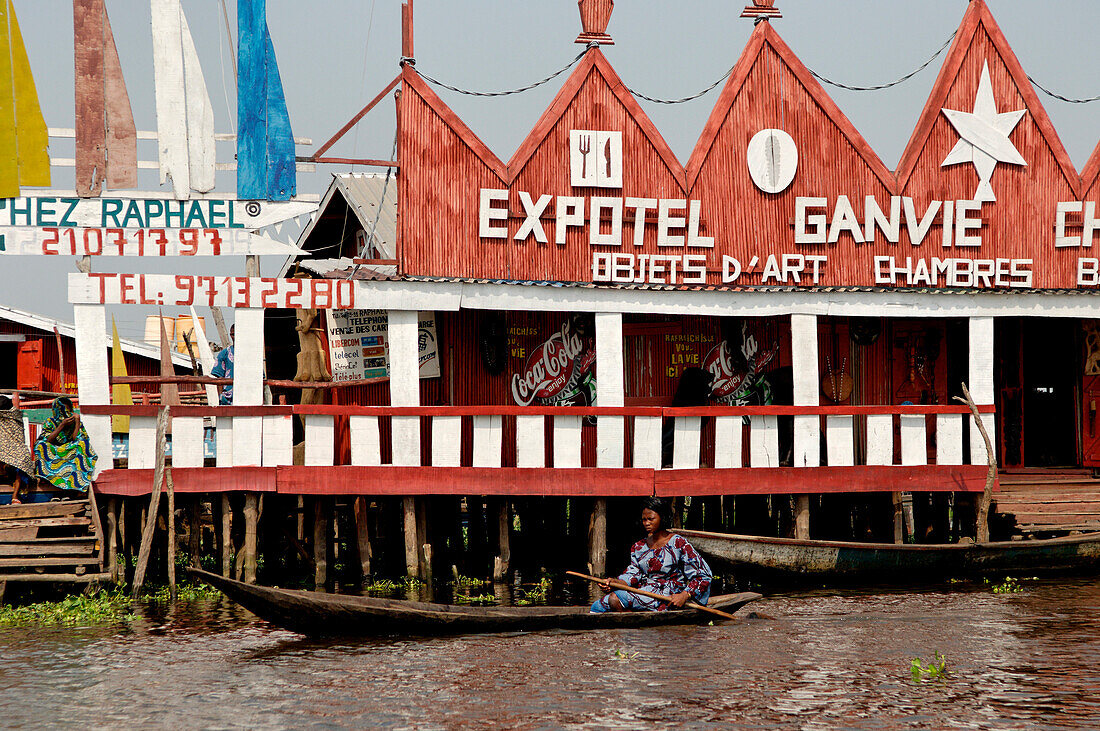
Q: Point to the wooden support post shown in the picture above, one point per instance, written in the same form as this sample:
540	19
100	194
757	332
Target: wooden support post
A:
899	518
363	535
423	540
225	543
154	504
991	473
3	588
320	543
412	543
112	539
802	518
194	532
251	521
127	551
171	553
597	538
504	540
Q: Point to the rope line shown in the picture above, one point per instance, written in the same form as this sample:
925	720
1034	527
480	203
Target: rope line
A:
878	87
1050	93
508	92
693	97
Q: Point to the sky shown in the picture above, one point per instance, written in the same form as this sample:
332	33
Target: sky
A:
335	55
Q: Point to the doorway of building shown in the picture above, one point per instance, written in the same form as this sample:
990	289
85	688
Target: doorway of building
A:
1038	382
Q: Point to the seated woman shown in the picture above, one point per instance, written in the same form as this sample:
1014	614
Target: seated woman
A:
15	459
63	454
661	563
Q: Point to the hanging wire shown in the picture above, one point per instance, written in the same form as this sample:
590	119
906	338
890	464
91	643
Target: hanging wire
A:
1050	93
368	241
878	87
640	95
520	90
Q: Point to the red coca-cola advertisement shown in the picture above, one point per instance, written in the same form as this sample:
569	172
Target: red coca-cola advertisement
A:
737	377
561	370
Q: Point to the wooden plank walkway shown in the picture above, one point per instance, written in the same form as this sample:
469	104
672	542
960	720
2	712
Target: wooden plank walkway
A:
55	541
1050	500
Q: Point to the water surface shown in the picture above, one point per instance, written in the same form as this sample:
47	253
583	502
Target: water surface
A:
825	661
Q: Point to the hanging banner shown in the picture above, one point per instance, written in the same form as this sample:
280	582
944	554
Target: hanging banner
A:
358	345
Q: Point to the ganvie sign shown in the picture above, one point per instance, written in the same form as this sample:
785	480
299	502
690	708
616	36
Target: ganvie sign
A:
780	190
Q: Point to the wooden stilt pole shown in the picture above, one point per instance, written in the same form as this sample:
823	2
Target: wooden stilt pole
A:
251	521
112	539
154	504
899	518
412	543
597	538
226	533
802	518
3	588
123	543
425	557
171	552
504	540
362	531
194	533
320	544
991	474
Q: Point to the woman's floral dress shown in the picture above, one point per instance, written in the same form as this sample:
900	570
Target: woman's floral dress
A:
670	569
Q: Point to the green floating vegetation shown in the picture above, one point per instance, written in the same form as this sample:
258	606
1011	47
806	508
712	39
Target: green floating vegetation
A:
480	599
185	592
535	595
390	586
1008	586
469	581
934	670
626	655
80	610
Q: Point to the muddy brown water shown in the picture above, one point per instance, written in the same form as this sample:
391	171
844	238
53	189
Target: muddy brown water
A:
825	661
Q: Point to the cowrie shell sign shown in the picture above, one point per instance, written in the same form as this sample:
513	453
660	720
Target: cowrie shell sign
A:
773	160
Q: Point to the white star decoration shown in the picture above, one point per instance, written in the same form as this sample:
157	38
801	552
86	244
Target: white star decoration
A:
983	137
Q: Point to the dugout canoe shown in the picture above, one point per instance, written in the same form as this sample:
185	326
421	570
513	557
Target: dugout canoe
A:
318	613
810	560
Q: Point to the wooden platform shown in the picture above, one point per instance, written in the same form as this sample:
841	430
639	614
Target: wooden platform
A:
54	541
1050	500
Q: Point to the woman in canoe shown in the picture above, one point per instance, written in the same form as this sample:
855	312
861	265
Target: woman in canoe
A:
663	563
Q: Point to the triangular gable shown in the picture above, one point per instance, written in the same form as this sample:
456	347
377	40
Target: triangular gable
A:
977	27
765	37
1090	177
594	62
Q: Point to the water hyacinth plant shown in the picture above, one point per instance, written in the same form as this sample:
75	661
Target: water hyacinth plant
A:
934	670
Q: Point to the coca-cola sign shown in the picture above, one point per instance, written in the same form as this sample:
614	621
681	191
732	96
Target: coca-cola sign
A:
738	381
557	371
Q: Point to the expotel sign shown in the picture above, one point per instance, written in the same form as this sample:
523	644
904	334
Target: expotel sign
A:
622	222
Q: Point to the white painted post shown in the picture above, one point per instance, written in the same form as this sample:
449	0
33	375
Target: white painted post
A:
366	443
93	382
981	384
278	448
530	441
488	438
804	367
610	388
405	385
248	385
320	432
447	441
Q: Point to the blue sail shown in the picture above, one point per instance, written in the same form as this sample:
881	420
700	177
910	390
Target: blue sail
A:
265	143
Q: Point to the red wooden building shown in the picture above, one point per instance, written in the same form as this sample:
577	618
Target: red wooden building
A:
780	315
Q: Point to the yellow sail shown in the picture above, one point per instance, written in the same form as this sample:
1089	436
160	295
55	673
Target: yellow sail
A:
24	159
120	392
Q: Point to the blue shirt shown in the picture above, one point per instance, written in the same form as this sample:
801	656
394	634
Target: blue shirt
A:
223	368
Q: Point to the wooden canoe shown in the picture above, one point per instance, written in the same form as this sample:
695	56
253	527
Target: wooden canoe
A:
794	559
318	613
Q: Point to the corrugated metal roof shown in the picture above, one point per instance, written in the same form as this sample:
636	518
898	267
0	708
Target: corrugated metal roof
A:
372	197
46	324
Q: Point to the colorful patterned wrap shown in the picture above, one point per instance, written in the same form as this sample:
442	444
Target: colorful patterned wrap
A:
13	448
69	462
670	569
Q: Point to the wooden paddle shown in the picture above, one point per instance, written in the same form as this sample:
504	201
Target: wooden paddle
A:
616	584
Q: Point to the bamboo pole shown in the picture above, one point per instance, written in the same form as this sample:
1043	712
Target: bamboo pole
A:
154	504
991	474
802	517
194	534
171	559
412	553
504	524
